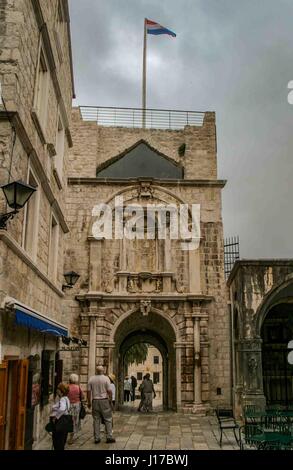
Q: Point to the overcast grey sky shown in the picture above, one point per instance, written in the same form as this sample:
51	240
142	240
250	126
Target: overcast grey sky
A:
234	57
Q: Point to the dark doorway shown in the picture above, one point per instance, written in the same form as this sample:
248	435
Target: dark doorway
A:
277	331
33	399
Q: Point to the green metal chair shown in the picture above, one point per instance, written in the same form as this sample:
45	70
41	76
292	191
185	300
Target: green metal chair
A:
246	434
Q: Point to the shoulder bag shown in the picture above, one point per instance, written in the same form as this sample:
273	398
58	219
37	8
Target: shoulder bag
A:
64	423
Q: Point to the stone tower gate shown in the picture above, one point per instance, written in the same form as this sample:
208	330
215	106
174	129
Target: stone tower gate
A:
150	290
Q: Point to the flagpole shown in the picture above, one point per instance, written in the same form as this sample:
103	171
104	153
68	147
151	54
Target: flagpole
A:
144	76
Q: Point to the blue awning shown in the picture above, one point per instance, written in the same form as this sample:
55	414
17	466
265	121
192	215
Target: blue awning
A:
37	321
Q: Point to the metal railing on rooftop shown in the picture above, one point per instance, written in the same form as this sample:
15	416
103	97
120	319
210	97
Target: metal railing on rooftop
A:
133	117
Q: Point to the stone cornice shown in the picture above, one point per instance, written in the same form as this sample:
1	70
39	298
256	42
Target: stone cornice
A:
258	263
6	238
128	181
200	316
189	344
125	297
31	152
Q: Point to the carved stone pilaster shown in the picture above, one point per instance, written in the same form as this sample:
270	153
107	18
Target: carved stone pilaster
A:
251	362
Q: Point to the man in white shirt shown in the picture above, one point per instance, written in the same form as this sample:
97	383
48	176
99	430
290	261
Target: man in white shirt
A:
99	397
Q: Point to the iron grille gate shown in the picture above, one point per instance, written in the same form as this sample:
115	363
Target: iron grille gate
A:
277	375
231	254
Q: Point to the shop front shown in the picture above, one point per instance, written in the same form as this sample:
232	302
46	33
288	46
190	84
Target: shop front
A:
30	367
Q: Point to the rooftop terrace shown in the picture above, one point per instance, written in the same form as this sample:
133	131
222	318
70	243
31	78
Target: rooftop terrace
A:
134	117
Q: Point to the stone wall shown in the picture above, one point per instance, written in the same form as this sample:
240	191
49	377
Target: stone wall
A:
25	24
94	145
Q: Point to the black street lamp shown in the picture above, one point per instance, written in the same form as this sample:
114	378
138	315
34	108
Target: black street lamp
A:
71	278
17	195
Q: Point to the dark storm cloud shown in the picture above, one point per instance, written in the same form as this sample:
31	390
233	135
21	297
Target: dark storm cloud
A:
231	56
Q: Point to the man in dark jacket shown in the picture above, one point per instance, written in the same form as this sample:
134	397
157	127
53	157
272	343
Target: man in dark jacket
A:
133	387
149	393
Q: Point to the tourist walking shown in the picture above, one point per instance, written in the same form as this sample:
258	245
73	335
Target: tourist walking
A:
60	408
148	393
140	388
76	396
127	388
133	387
99	397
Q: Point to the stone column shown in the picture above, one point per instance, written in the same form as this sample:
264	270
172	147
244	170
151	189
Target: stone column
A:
197	361
194	271
178	376
123	248
167	254
251	360
95	277
92	346
111	358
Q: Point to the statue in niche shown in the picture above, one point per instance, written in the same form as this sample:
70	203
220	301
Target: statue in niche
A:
252	370
159	285
131	285
179	287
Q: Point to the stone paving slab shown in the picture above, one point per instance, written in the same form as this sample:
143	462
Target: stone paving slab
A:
155	431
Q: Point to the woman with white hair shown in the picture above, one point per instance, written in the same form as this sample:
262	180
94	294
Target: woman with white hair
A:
76	396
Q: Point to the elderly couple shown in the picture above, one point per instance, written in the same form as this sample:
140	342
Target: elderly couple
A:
100	398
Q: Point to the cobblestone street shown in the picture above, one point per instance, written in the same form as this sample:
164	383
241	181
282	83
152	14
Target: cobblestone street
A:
155	431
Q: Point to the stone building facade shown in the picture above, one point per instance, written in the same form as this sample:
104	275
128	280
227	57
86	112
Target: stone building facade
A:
35	119
150	290
153	365
261	296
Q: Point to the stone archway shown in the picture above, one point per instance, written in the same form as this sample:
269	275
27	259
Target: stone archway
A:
155	340
157	330
267	373
276	332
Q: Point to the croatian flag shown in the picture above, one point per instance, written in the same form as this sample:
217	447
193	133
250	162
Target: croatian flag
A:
156	28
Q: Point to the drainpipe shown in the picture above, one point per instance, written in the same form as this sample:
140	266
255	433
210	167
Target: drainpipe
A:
232	348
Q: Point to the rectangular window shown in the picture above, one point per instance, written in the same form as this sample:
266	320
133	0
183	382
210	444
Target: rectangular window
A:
139	375
42	90
60	142
156	360
59	32
32	219
156	377
53	249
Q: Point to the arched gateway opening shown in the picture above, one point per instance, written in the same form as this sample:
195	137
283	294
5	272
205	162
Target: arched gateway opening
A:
155	330
276	331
